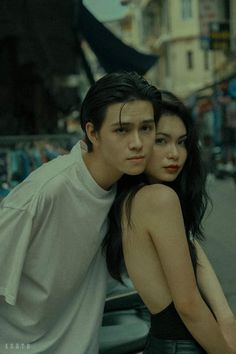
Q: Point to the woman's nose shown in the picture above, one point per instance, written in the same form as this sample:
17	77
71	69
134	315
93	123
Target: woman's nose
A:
173	152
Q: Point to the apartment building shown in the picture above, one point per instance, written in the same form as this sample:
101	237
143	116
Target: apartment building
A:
185	34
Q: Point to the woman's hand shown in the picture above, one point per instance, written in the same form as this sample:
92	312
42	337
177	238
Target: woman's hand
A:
228	329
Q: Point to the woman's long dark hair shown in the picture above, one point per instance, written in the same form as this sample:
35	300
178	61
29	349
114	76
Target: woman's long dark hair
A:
190	187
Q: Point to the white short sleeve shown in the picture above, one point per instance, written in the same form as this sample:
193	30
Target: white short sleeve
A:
15	232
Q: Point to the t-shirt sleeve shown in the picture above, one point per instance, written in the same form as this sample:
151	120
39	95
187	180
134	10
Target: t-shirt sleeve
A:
15	235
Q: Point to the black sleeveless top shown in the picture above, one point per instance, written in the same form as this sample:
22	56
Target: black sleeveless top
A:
167	324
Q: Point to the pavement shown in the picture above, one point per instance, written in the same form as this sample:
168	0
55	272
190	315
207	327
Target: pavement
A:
220	230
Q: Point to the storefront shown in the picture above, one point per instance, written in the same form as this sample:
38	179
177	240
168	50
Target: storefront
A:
214	111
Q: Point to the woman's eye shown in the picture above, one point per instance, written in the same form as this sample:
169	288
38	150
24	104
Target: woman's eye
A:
182	142
160	141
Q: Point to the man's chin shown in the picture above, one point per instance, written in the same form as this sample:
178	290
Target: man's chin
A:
135	172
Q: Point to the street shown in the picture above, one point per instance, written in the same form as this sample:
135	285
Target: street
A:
220	230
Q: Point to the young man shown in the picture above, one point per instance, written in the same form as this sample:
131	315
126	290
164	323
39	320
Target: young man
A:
52	271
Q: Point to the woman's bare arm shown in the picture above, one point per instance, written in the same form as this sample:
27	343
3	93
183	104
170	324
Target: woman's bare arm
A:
213	293
163	220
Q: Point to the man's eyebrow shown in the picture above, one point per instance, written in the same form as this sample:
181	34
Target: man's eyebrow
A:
145	121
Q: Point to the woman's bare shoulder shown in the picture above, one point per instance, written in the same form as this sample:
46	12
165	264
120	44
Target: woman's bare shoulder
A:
155	195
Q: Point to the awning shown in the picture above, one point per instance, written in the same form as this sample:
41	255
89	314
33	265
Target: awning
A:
111	52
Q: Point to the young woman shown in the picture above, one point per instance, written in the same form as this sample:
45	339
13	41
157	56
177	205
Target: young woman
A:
154	231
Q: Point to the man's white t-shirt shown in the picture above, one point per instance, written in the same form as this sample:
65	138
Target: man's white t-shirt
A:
52	271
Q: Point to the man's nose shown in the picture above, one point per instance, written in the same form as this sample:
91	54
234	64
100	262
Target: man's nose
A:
136	141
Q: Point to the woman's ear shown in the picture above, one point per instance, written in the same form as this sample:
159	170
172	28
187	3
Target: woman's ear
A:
91	133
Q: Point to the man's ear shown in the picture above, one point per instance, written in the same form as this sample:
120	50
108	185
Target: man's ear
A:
91	133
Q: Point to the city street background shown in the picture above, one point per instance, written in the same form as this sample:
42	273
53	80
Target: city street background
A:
220	229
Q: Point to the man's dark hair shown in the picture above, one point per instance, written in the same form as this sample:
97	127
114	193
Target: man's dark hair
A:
114	88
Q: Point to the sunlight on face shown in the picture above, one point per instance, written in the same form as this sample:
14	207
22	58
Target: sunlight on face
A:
169	153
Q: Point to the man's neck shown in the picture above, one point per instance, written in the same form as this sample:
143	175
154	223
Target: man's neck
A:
101	173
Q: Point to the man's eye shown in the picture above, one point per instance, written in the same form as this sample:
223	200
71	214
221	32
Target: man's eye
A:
121	130
147	128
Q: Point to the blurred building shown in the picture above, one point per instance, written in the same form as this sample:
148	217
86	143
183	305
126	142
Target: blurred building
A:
194	39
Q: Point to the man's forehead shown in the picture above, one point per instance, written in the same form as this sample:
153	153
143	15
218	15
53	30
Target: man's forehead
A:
130	112
129	105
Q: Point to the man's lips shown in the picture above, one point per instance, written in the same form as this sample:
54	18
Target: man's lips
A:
135	158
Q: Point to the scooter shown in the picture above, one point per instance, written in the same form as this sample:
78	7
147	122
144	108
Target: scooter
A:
125	320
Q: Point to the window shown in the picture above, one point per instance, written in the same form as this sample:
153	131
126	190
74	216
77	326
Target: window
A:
186	9
206	59
189	59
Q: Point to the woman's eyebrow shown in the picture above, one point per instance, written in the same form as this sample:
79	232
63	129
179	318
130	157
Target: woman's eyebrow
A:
161	133
168	135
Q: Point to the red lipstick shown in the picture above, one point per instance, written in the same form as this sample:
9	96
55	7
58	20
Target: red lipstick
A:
172	168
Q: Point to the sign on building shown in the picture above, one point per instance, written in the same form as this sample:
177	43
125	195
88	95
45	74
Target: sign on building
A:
210	11
219	36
